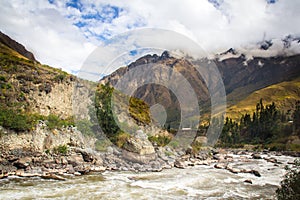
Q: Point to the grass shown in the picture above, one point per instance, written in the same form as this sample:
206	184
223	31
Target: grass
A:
284	94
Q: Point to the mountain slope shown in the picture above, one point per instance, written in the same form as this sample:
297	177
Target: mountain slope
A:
12	44
241	77
30	91
285	94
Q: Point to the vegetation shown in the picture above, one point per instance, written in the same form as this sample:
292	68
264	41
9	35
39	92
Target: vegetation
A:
290	186
18	77
18	120
61	149
266	126
53	121
285	94
160	140
102	144
138	110
196	147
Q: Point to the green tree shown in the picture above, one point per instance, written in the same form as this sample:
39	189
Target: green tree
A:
296	119
290	185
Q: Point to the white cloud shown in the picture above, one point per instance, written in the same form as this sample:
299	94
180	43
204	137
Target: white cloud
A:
44	31
48	30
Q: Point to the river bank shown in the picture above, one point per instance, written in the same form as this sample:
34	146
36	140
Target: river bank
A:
78	161
193	182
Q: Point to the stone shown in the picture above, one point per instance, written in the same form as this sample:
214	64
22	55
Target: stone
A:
248	181
98	168
233	170
220	166
22	163
135	157
77	173
139	146
256	156
64	161
75	159
272	160
70	169
256	173
87	157
218	157
53	176
180	164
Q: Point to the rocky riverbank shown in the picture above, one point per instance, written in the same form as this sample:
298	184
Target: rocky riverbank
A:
80	161
56	154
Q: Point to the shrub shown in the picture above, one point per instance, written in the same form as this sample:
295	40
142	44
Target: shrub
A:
53	121
61	149
196	147
290	185
60	77
121	138
15	120
160	140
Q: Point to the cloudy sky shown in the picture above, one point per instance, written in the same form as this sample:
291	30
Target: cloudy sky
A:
63	33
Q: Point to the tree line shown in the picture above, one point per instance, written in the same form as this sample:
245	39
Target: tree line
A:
266	125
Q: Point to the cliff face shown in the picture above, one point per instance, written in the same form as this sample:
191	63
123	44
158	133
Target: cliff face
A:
32	88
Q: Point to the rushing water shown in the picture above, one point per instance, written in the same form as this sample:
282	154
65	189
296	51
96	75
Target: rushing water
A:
199	182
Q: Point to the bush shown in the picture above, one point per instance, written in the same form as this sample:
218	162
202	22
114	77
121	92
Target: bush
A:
53	121
290	186
160	140
60	77
196	147
17	121
61	149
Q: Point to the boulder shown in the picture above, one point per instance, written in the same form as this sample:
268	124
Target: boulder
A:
218	157
256	173
75	159
139	146
180	164
220	166
87	157
22	163
256	156
53	176
135	157
233	170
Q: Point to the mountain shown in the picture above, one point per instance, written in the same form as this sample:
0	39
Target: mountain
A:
241	77
285	94
13	45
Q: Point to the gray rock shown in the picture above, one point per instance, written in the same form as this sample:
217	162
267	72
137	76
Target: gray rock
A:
22	163
180	164
256	173
248	181
256	156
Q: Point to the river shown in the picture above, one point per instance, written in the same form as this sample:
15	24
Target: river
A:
198	182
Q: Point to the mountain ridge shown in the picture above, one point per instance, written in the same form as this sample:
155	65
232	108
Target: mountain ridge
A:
6	40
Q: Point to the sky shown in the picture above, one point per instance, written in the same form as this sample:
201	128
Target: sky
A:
64	33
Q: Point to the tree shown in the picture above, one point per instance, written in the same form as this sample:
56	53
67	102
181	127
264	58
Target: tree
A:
296	119
290	185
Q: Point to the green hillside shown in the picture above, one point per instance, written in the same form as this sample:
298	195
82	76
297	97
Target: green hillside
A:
19	77
284	94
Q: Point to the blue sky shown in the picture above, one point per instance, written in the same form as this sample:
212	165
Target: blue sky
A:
63	33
